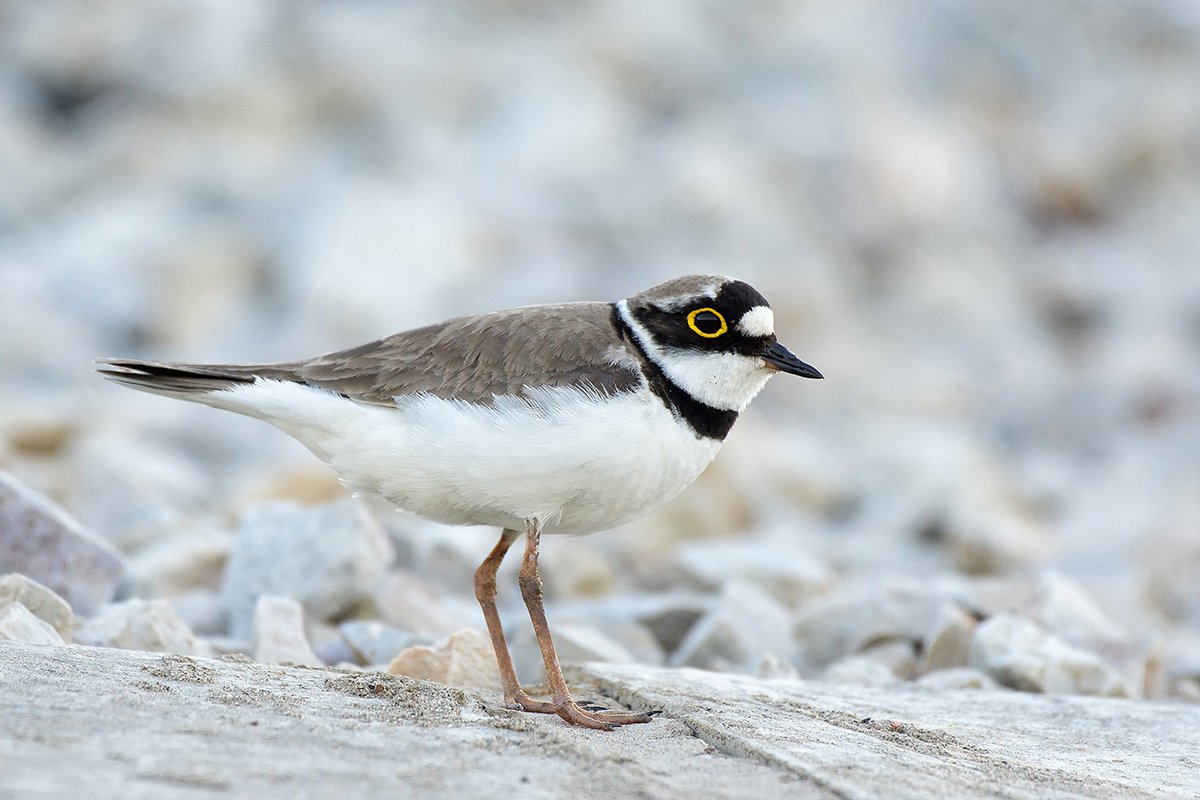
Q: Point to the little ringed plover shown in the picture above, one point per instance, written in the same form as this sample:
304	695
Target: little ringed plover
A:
568	418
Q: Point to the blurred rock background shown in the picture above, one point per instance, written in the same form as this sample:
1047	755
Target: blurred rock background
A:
980	222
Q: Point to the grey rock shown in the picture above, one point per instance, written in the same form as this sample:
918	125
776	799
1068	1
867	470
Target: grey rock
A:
43	603
39	540
744	624
372	642
136	624
19	624
279	633
328	558
1019	654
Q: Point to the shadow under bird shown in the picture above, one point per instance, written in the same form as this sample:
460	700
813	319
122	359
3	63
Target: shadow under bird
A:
568	418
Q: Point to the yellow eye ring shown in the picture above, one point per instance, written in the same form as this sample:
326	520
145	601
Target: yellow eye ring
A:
691	319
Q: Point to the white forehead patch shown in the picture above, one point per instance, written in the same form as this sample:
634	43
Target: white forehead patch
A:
758	321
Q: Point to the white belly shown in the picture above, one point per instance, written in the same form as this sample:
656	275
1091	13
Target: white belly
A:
576	463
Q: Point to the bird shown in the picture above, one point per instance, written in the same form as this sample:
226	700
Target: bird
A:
569	418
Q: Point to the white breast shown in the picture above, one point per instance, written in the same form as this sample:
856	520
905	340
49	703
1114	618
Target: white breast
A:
575	461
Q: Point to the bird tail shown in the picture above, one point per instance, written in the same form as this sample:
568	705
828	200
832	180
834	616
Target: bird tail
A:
182	381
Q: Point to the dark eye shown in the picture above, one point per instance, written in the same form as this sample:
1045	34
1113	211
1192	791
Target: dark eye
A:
707	322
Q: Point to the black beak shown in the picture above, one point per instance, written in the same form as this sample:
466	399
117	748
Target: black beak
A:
779	357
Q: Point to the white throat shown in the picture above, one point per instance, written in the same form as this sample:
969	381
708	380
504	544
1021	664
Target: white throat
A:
727	381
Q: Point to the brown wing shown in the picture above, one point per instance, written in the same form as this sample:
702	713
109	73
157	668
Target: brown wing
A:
470	358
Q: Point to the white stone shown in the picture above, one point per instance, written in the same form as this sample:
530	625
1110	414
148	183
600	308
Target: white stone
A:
42	602
1017	653
279	633
465	658
141	625
329	558
19	624
177	564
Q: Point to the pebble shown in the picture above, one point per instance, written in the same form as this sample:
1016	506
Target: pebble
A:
136	624
465	659
1017	653
279	633
744	624
43	603
19	624
329	558
38	539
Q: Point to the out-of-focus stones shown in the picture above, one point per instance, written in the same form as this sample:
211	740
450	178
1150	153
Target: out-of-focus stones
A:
855	615
956	678
328	558
414	604
203	611
177	564
744	624
465	658
39	540
575	643
150	625
948	642
792	574
372	642
859	671
40	601
1017	653
279	633
19	624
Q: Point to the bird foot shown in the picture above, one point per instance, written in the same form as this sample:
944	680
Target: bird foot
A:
587	715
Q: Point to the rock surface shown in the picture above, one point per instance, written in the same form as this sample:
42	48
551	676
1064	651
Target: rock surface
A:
172	727
38	539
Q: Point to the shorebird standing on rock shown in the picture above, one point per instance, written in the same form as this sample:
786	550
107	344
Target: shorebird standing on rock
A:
568	418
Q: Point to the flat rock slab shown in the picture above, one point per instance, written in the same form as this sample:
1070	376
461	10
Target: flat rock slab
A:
128	724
